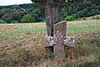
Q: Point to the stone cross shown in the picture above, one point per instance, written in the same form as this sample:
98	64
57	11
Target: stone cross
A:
59	40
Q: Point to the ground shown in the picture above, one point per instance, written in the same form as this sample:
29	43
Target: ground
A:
22	45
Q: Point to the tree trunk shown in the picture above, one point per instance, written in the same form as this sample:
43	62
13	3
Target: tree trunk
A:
52	17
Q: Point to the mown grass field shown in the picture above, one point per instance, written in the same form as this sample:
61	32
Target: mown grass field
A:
23	45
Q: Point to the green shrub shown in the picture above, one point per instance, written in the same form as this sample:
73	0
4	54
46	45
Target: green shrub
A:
96	17
14	21
81	19
49	55
2	21
27	19
69	18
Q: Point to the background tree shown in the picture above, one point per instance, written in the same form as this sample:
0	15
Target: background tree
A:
27	19
38	14
81	9
70	11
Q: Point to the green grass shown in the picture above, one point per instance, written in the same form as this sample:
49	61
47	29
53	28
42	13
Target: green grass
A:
17	31
76	26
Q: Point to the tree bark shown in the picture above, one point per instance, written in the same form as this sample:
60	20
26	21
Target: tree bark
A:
52	17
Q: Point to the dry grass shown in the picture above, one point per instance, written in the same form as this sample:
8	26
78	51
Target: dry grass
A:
22	45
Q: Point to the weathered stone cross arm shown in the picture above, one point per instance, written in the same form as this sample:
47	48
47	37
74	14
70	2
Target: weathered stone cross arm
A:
68	41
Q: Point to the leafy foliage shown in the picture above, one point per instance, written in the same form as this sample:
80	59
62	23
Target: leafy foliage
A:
81	9
73	11
14	13
2	21
27	19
